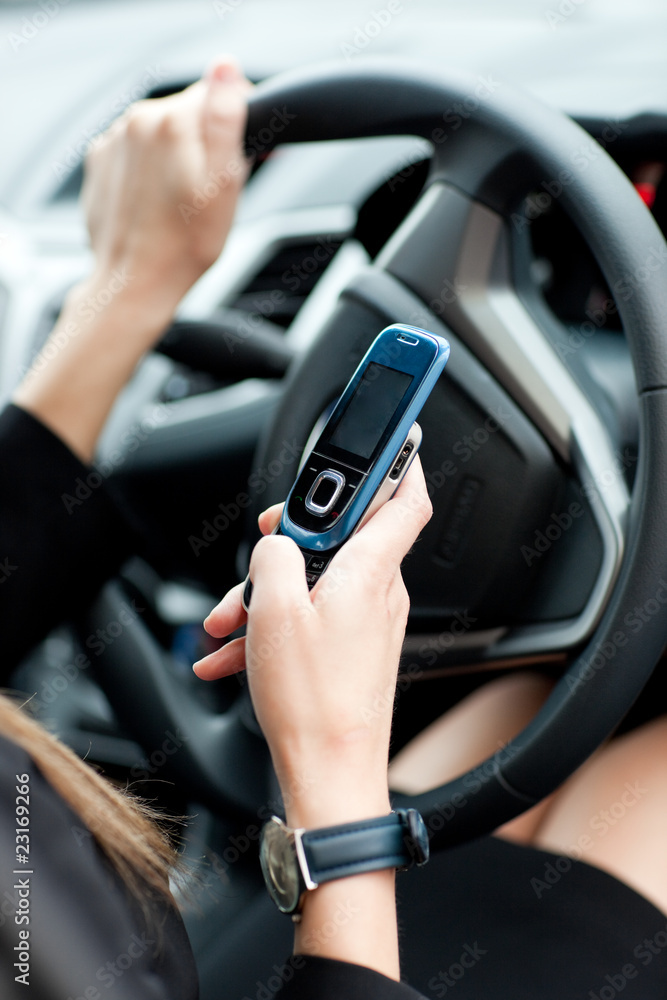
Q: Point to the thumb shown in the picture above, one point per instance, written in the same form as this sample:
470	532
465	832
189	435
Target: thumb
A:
224	115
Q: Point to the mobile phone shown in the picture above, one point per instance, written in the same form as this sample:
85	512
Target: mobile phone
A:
365	448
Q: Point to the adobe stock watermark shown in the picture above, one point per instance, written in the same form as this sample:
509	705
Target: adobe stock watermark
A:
83	487
578	335
6	570
605	479
223	8
466	447
430	651
634	620
560	522
624	288
86	311
446	979
316	939
436	645
599	824
556	16
293	278
328	584
644	952
105	813
75	153
9	911
650	947
32	25
474	781
238	844
149	766
551	532
107	975
449	293
298	273
218	180
453	118
581	158
258	481
105	636
365	33
96	643
384	700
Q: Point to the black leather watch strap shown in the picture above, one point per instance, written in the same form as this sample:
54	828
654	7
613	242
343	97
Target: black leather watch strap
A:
398	840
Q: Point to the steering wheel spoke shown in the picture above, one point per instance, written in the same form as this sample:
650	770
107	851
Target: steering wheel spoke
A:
534	535
454	253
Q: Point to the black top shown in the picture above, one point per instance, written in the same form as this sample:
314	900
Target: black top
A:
61	534
61	538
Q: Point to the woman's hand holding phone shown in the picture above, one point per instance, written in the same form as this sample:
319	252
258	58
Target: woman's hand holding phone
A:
321	662
322	668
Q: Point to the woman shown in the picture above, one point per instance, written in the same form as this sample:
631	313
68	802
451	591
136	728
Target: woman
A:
96	891
87	908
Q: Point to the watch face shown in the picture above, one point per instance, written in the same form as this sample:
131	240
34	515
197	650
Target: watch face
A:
280	866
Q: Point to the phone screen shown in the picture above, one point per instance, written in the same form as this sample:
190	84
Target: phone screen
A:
370	410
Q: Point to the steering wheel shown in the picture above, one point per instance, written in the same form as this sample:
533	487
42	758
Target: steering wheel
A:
519	445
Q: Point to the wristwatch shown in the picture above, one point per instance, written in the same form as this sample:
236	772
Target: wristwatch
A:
295	861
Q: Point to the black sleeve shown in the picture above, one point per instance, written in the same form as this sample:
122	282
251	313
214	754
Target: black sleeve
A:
68	927
67	924
61	534
326	979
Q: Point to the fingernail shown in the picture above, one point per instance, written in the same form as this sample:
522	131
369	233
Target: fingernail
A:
225	72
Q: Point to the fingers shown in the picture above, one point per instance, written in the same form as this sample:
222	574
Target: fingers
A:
225	618
392	531
269	519
279	582
228	615
277	570
229	659
226	67
224	115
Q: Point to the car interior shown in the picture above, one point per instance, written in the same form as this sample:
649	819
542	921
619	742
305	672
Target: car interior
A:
502	183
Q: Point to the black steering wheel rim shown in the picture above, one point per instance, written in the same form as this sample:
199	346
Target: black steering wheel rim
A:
506	139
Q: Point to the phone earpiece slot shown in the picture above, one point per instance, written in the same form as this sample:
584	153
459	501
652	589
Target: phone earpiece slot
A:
401	460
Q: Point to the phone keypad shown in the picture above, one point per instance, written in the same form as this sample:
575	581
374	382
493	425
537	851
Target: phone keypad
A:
316	563
307	489
325	491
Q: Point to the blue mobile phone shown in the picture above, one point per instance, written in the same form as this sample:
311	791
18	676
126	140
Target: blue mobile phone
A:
365	448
